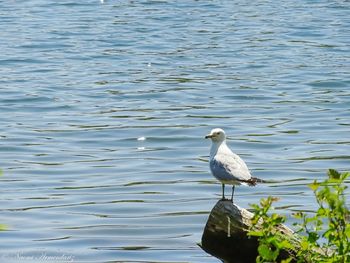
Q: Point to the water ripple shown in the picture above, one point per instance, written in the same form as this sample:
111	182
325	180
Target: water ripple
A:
82	83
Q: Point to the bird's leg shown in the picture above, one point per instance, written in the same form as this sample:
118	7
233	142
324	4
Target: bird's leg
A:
223	192
233	190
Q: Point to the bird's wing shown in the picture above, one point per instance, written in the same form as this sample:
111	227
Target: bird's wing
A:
232	167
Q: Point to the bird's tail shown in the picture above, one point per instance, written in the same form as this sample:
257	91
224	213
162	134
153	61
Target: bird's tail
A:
253	181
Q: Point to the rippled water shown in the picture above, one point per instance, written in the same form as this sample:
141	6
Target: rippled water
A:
104	108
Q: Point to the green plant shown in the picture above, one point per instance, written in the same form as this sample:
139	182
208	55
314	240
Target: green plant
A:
264	225
323	237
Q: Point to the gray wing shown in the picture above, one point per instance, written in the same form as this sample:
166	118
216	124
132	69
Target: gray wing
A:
229	167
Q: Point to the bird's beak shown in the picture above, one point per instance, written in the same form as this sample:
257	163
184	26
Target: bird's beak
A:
208	136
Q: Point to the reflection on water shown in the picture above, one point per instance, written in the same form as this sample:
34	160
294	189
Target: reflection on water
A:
83	82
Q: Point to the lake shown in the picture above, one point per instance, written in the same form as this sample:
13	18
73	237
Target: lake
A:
105	105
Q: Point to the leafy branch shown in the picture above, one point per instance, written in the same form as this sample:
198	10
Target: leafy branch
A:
323	237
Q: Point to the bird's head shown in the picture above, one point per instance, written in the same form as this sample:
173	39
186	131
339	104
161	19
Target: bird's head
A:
216	135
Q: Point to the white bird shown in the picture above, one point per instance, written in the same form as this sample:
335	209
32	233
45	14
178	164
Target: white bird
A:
227	166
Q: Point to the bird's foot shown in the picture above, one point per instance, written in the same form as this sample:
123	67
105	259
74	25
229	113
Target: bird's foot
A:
226	199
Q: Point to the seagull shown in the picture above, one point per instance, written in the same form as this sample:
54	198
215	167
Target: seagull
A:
227	166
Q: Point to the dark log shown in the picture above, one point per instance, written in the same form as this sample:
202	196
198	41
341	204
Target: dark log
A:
225	234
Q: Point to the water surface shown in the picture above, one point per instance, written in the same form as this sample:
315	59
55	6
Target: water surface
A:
104	108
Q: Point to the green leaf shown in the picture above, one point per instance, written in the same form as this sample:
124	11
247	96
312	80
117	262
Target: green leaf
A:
313	237
314	186
304	245
333	174
255	233
298	215
286	244
265	252
347	231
